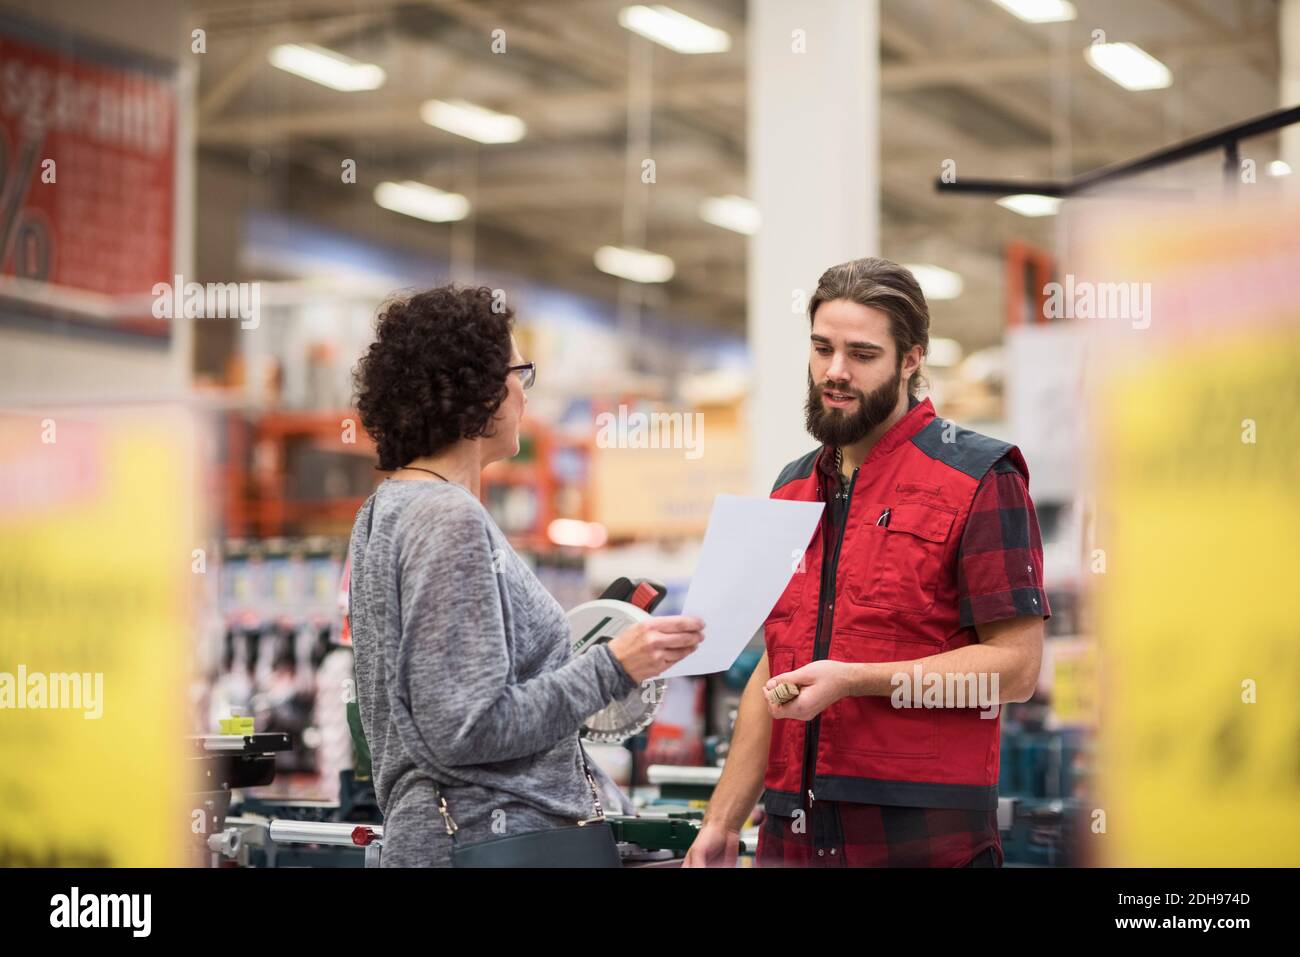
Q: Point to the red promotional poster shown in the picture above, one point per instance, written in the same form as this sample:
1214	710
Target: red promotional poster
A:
87	154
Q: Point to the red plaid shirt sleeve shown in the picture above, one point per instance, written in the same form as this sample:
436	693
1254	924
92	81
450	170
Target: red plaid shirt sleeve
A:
1000	558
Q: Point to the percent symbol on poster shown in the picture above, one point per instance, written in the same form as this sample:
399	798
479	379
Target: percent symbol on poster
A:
20	232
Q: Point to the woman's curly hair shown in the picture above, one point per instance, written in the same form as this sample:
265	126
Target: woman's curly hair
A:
435	373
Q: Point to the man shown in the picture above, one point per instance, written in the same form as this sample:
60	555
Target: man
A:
927	564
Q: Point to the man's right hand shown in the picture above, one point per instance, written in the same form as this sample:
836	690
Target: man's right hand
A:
741	783
651	647
715	846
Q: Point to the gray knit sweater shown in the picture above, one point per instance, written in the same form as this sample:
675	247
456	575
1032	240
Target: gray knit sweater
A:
465	676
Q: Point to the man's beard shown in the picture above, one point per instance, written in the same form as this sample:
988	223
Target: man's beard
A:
838	427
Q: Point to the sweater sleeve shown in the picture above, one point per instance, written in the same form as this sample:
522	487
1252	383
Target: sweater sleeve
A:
454	654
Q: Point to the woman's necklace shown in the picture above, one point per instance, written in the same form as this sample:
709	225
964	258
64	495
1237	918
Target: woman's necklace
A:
419	468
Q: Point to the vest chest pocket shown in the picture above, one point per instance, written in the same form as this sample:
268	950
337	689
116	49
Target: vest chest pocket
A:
898	564
792	597
789	601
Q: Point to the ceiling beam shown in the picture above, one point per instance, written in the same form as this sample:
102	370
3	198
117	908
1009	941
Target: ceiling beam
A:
979	71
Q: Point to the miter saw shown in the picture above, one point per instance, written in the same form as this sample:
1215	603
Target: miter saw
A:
644	838
592	624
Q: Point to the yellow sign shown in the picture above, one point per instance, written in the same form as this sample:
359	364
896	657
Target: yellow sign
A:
1199	463
96	570
1074	682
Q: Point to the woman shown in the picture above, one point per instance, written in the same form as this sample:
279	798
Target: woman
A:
465	676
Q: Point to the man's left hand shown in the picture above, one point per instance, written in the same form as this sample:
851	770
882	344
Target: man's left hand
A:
820	684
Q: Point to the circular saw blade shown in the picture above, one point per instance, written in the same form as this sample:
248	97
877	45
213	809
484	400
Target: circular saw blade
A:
592	624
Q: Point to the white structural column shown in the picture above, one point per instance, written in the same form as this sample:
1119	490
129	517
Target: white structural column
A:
1288	30
814	171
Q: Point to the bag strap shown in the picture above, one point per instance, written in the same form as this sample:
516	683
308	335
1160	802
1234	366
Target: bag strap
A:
452	827
591	783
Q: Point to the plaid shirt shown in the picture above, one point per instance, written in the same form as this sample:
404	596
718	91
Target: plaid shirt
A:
999	575
839	834
1000	562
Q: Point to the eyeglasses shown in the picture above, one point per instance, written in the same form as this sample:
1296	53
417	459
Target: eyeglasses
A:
527	374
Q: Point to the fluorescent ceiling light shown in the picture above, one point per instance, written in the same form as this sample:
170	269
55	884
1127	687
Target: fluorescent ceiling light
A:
1031	204
421	201
472	121
638	265
731	212
677	31
1279	168
1039	11
326	67
936	282
943	353
1129	65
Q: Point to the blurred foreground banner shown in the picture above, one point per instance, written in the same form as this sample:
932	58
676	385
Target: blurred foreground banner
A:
1196	391
99	551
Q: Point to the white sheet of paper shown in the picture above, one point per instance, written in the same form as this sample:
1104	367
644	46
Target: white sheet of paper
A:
750	551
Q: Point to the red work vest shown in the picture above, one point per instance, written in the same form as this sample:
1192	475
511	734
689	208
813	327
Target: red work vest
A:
894	599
